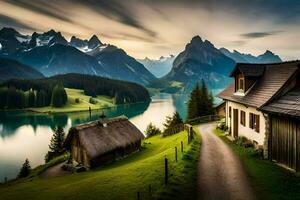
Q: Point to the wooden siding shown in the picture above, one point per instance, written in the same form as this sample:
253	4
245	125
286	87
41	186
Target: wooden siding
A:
284	143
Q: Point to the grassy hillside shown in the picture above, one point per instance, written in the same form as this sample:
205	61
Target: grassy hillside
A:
123	179
84	104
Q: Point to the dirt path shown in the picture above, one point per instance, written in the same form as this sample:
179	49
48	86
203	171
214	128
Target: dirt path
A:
54	171
220	173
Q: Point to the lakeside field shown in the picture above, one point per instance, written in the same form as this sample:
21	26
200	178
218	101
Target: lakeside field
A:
83	105
123	179
269	180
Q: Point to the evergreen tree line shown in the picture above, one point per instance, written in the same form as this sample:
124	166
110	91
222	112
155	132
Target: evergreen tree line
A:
200	102
121	91
13	98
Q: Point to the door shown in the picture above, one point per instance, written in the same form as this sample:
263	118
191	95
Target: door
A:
235	123
284	141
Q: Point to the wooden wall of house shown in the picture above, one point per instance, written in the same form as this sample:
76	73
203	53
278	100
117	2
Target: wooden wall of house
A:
116	154
284	143
78	152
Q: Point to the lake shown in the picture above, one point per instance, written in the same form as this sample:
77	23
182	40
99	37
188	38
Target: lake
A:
27	135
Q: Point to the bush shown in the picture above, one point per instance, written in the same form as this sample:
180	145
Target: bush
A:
77	100
25	170
244	142
222	126
152	130
92	100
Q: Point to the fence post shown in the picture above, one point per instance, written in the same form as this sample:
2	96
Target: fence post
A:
138	196
181	146
90	110
166	170
150	191
176	154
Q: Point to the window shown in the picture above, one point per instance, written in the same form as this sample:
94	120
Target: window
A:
241	86
243	118
254	122
229	111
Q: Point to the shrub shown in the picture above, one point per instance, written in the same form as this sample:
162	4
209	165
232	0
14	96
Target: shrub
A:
77	100
222	126
25	170
152	130
92	100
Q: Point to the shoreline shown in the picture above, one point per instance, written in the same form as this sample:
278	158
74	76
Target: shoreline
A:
33	111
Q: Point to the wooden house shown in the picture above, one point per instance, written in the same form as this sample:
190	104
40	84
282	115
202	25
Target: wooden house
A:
220	109
263	104
103	141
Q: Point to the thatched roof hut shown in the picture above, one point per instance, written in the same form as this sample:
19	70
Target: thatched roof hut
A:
103	141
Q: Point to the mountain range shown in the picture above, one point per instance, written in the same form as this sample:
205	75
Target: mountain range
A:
51	54
202	60
159	67
267	57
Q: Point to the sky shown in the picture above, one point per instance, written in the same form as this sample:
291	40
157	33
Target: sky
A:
154	28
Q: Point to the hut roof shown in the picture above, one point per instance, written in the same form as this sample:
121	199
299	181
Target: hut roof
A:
98	137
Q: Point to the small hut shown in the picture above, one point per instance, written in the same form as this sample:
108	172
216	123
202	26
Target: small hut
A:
103	141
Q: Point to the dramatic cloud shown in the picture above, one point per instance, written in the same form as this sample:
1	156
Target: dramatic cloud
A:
259	34
160	27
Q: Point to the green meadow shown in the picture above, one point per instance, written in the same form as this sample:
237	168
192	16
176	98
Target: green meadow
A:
82	105
122	179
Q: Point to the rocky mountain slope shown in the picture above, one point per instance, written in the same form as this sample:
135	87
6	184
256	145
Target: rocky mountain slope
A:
51	54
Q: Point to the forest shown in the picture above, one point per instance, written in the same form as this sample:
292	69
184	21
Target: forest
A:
18	94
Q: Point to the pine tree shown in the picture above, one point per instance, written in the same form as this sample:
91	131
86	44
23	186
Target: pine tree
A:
203	105
57	140
59	96
211	104
25	170
200	102
193	104
31	98
152	130
56	144
172	121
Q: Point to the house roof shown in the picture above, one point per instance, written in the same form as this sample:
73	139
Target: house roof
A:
288	104
266	87
98	139
248	69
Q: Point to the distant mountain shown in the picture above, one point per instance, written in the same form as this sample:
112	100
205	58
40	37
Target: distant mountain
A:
11	69
200	60
159	67
61	59
267	57
119	64
52	54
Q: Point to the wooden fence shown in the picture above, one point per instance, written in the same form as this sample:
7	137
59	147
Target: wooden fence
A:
203	119
171	131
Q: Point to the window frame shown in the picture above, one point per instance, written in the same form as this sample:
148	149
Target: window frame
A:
243	118
254	122
241	87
